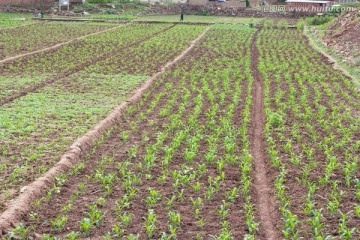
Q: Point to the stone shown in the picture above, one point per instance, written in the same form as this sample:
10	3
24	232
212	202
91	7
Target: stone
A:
23	189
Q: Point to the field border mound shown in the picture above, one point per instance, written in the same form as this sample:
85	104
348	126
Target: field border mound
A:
20	206
57	45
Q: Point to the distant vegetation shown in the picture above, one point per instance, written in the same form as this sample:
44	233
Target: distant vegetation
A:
314	21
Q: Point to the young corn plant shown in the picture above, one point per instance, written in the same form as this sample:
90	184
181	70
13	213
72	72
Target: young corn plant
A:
95	215
154	197
59	223
150	224
345	232
175	219
126	219
224	210
86	226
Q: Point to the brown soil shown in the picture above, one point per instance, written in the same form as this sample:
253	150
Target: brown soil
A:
264	192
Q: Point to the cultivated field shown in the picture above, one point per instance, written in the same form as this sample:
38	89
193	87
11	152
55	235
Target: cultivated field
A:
250	134
14	20
47	103
28	38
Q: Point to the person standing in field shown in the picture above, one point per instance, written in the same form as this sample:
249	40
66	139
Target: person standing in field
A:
181	17
36	13
42	14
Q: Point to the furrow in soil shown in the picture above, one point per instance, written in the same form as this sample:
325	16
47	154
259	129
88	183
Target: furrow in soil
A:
263	190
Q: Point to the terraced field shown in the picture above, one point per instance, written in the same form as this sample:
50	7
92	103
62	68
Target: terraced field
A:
238	133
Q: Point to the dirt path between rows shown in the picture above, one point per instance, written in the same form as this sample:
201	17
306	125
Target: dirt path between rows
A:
20	206
75	70
263	190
